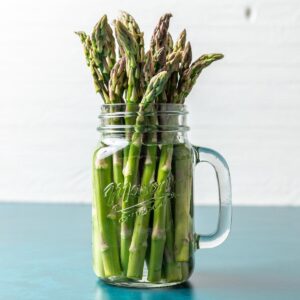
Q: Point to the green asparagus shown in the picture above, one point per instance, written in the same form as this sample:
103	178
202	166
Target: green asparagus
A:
103	48
154	89
190	75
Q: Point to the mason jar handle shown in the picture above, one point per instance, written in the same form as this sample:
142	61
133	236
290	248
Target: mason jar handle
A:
218	162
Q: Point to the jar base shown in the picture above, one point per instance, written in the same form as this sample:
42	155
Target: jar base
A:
139	284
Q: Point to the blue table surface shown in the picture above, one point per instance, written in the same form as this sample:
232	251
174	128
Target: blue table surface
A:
45	253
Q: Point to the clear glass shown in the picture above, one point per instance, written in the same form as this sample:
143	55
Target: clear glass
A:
143	229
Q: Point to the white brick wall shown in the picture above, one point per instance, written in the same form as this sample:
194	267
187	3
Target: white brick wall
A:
246	106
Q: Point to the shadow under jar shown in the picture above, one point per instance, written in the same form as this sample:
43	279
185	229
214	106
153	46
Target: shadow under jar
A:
143	229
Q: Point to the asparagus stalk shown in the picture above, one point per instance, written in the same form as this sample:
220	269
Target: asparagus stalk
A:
96	242
104	238
117	84
97	258
170	43
130	47
90	60
172	84
172	65
98	82
133	27
187	266
180	43
138	246
183	194
103	48
147	70
159	41
154	89
186	58
128	37
173	268
106	222
161	196
158	237
148	67
162	221
84	38
159	47
190	75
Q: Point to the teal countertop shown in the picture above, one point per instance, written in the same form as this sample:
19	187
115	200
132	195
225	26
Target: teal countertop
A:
45	253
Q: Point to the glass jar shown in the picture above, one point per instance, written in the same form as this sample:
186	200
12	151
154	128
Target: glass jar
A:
143	229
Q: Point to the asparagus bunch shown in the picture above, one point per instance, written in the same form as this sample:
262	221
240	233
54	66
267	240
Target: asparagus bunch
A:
154	224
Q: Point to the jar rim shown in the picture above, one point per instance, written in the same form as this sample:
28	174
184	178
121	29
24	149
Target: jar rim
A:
112	117
146	129
166	105
127	109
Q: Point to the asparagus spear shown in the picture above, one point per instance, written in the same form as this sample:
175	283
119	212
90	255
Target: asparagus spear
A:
129	45
173	268
133	27
186	58
96	238
170	43
172	84
90	60
176	271
180	43
96	247
117	84
103	48
183	178
159	41
183	193
159	220
159	59
106	223
138	246
154	89
104	238
162	217
86	49
148	68
158	237
98	82
172	65
190	75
